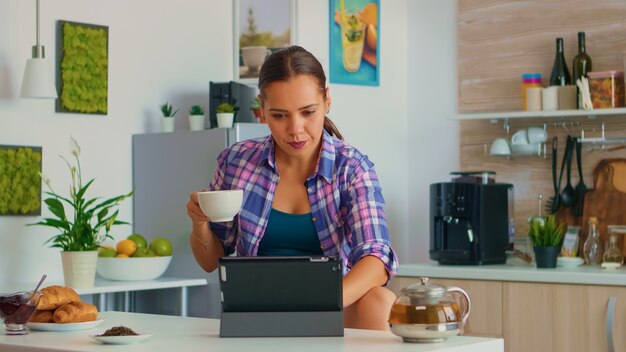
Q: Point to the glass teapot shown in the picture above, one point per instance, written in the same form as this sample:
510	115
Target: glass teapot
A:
427	312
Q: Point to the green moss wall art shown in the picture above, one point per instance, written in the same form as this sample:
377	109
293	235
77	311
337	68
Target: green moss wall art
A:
82	68
20	180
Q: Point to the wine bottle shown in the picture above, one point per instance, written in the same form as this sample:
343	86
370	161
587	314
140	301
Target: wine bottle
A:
560	75
581	65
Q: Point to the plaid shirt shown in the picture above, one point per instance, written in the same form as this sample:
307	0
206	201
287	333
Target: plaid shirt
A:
344	194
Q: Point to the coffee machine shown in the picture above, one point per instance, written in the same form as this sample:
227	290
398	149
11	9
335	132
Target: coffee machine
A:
471	219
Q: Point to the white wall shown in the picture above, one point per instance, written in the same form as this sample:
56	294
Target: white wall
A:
433	139
169	51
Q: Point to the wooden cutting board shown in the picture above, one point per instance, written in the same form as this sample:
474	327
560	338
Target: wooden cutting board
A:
607	200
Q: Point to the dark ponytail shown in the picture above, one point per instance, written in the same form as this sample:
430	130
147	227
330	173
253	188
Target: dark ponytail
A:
284	64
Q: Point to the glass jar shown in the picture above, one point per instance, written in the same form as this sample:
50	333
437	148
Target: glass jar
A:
592	249
606	89
613	253
529	80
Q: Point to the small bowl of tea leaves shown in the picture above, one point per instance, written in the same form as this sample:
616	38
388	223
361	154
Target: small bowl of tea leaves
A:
120	335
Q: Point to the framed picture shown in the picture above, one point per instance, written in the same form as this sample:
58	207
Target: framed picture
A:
261	27
20	180
354	42
82	68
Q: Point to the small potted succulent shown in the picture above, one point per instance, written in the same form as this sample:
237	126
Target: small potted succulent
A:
167	122
546	234
196	118
255	106
225	115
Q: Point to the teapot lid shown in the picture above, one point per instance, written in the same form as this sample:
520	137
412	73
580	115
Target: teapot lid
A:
423	288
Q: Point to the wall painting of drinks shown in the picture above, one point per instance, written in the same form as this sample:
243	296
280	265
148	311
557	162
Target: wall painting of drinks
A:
20	180
261	27
354	43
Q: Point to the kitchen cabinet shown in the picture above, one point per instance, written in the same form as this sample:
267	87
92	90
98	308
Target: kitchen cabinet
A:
555	317
541	316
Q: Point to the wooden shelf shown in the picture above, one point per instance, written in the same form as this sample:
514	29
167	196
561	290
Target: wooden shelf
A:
538	114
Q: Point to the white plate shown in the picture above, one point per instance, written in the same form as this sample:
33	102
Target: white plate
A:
65	327
569	262
120	340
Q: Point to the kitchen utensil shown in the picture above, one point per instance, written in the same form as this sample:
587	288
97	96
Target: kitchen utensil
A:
568	196
428	313
605	201
554	203
581	188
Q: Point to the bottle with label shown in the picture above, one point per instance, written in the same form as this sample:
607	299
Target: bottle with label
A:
581	64
560	74
592	249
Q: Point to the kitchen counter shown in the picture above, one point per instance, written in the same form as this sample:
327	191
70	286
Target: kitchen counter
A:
171	333
582	275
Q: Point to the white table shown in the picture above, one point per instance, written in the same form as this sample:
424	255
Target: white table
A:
171	333
102	287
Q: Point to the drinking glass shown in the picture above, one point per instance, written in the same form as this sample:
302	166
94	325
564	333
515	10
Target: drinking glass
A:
352	39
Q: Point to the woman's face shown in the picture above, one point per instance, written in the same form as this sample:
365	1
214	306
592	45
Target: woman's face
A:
294	111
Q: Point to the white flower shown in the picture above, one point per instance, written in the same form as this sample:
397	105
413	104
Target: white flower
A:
45	179
74	147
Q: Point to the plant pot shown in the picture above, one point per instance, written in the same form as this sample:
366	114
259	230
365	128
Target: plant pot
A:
167	124
196	122
225	119
545	257
79	268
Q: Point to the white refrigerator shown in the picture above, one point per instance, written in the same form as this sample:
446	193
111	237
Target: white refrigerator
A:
167	167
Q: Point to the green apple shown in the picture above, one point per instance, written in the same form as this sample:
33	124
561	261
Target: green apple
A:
161	246
139	240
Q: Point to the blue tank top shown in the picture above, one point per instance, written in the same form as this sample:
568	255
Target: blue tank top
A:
289	235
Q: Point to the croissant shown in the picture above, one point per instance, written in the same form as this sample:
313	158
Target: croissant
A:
75	312
55	296
42	316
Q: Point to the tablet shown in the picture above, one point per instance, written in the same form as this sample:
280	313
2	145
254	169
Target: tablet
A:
281	284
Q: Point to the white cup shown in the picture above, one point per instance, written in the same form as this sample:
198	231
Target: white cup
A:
254	56
550	98
520	137
533	98
537	135
221	206
500	146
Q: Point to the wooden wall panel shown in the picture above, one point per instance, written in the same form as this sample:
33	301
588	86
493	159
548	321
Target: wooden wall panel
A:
500	40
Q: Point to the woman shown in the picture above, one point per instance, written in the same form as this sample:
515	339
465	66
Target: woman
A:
306	192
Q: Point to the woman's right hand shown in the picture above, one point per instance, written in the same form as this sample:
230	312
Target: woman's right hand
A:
194	211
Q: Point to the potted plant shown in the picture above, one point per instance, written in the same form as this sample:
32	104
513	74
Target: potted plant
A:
82	226
255	106
167	122
225	115
546	234
196	118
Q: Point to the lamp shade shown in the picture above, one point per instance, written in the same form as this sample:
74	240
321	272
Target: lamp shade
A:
38	81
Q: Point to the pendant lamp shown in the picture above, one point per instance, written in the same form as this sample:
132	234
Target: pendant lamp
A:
38	80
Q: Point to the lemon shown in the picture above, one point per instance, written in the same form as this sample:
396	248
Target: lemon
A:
126	247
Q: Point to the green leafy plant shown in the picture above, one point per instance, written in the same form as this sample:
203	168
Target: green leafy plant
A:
166	109
196	110
92	219
225	108
545	232
255	104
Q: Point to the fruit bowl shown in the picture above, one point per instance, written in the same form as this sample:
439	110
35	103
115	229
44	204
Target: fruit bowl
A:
132	269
